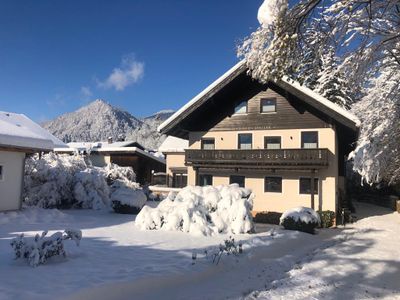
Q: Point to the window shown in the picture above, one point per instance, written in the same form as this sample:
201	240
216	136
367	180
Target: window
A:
1	172
237	179
241	108
273	184
179	180
305	186
309	139
205	180
268	105
272	142
245	141
208	144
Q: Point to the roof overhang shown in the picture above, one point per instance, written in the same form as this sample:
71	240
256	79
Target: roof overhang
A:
310	97
113	151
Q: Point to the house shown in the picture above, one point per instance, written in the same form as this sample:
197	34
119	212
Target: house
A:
122	153
173	149
282	140
19	137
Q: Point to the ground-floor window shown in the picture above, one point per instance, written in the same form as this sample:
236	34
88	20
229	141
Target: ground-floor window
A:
237	179
305	185
205	179
179	180
1	172
273	184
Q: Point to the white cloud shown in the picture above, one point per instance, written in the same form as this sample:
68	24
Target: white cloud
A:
86	92
129	72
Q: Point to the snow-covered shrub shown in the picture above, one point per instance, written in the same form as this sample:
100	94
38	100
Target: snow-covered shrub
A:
327	218
114	172
91	189
301	219
49	180
41	247
127	197
200	210
64	181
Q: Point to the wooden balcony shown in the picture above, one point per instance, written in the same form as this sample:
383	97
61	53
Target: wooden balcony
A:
259	158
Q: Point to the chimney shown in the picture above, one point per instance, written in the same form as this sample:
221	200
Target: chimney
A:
110	140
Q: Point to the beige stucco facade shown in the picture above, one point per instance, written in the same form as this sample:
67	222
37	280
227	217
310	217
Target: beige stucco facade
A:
290	196
11	183
174	160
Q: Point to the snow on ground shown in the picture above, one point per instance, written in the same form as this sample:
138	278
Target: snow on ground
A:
362	263
116	260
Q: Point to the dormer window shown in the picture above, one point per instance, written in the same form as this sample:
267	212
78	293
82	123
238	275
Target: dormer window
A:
241	108
268	105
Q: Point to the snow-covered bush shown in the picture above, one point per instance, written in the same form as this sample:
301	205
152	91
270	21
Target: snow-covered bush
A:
64	181
41	247
127	197
200	210
49	180
91	189
301	219
114	172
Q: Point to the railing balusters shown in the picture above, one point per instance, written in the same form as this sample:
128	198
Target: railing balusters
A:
276	156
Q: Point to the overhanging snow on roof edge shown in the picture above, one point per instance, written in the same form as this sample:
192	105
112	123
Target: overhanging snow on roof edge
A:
336	109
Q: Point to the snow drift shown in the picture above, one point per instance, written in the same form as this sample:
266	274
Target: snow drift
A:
64	181
202	211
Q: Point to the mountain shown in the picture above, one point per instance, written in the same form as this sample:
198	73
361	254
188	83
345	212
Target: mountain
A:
99	120
147	133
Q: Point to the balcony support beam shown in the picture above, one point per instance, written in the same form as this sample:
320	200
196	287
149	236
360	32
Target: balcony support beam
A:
312	189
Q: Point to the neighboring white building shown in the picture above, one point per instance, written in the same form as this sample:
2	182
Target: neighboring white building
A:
19	136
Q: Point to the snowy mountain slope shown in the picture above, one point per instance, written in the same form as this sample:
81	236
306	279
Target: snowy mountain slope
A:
99	120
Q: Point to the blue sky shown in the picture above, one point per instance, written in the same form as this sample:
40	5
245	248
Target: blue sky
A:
143	56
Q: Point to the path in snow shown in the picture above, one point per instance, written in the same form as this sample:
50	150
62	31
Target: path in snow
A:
366	265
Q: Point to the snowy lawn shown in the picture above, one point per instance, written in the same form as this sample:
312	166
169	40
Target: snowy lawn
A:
117	260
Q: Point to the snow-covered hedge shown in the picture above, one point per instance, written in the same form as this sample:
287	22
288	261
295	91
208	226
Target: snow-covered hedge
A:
127	197
64	181
300	218
202	210
39	249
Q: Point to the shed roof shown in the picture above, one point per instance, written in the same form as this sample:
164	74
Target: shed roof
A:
18	131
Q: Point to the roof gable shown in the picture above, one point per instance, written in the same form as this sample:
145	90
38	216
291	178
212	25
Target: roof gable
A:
338	114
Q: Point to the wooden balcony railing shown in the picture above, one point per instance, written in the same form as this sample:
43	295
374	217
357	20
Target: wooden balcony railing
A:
279	158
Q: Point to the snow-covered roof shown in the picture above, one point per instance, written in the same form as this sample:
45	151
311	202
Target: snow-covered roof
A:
173	144
337	112
109	150
86	145
17	130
